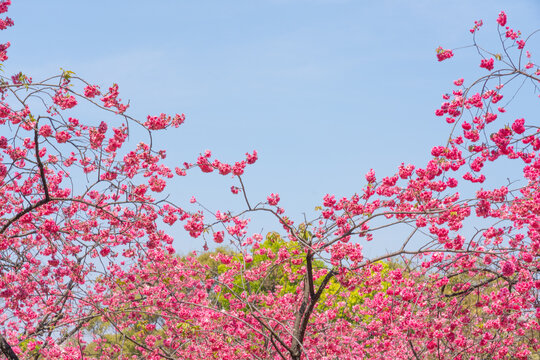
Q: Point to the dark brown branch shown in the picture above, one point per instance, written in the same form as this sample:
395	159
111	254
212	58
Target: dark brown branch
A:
276	347
414	351
22	213
309	266
6	349
304	315
39	163
244	193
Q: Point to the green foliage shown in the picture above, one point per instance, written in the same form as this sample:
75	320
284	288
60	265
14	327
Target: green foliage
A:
102	329
348	302
67	74
285	276
284	263
23	345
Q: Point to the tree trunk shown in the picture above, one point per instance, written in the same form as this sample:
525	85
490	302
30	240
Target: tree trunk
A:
6	349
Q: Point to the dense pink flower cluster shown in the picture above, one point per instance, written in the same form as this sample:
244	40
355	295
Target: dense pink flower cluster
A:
273	199
443	54
487	64
63	99
3	51
111	100
502	18
4	23
91	91
163	121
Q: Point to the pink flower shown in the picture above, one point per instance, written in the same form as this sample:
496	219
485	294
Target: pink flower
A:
96	138
218	237
511	34
4	24
64	100
251	158
519	126
458	82
238	168
204	164
329	200
108	176
156	184
150	340
50	226
62	137
443	54
508	268
370	176
195	225
452	182
111	100
54	262
102	127
180	172
91	91
224	169
487	64
3	52
20	79
502	18
273	199
45	131
477	25
405	171
527	257
157	122
178	120
4	6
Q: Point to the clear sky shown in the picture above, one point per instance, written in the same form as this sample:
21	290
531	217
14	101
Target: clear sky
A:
324	90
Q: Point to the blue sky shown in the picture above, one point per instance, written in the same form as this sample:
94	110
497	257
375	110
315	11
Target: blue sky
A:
323	90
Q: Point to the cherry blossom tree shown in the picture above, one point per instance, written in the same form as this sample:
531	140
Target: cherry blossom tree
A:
77	199
86	270
462	283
